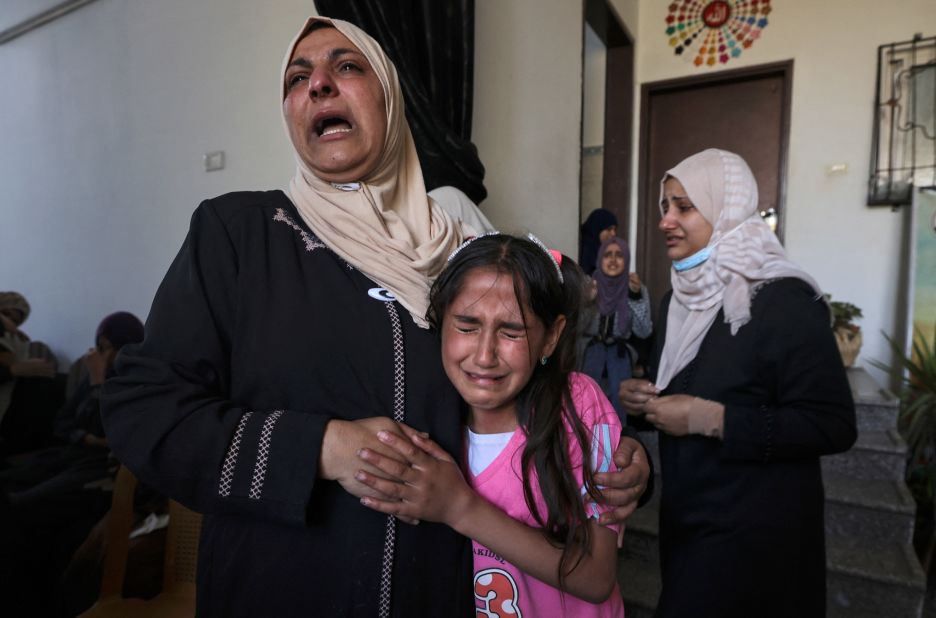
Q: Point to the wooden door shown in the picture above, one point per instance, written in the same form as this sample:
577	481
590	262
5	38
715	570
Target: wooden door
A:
745	111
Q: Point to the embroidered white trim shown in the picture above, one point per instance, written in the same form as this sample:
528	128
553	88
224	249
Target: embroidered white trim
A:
399	365
311	243
399	413
263	455
230	460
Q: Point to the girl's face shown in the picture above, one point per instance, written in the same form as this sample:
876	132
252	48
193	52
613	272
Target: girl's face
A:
686	230
612	262
490	347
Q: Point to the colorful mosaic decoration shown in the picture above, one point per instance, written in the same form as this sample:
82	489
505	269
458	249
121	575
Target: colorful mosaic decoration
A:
714	32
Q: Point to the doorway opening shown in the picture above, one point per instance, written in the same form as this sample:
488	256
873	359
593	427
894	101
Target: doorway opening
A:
746	111
607	110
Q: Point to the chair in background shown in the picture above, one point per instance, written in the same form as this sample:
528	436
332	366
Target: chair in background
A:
177	599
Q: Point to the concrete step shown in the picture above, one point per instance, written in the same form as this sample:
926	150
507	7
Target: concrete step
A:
884	581
834	611
640	586
643	530
855	509
880	455
862	582
862	510
875	408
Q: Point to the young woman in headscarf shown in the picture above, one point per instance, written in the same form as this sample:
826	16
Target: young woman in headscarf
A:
600	225
749	392
289	330
621	307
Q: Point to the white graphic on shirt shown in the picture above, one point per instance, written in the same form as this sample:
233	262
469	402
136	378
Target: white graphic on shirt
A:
382	294
496	591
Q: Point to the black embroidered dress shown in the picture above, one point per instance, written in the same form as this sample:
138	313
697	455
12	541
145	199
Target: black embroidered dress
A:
259	335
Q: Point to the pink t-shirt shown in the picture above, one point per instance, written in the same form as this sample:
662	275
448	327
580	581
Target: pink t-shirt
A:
501	589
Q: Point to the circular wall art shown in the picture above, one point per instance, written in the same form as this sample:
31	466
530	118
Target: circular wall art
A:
713	32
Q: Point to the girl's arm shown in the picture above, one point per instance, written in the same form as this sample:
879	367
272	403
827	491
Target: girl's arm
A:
434	489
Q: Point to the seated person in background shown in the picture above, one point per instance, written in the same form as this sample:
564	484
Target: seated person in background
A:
79	422
26	372
14	309
51	498
620	308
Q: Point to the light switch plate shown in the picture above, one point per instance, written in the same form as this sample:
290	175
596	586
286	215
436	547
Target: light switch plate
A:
214	161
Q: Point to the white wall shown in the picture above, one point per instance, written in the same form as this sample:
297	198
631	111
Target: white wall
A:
593	89
852	250
527	115
107	113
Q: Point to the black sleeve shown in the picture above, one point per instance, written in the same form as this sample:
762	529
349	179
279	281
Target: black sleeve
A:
811	411
168	413
631	432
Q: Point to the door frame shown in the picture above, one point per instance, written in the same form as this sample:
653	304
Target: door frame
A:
616	172
784	69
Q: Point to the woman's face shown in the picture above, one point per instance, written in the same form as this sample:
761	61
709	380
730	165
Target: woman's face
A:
608	232
334	107
686	230
612	262
490	347
14	315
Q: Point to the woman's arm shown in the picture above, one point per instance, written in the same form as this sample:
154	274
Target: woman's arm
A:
168	413
641	322
812	412
434	489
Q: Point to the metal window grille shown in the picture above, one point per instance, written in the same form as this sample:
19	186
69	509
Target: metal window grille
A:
903	150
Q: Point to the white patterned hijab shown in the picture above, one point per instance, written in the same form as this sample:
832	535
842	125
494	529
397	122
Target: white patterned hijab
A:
744	253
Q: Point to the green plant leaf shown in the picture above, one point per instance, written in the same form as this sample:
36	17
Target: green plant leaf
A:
917	375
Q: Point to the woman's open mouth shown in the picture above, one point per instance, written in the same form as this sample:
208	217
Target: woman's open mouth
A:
330	125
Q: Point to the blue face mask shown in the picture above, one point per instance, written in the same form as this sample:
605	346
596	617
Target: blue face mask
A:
701	256
696	259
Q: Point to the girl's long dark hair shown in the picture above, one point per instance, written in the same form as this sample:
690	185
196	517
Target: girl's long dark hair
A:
544	405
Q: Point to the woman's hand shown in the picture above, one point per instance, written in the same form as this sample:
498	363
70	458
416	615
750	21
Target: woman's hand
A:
633	281
92	440
97	366
341	444
33	368
623	489
635	393
431	486
670	413
679	415
8	324
591	291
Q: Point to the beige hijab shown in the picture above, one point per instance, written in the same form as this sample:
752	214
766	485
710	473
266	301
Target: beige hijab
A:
387	227
744	253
